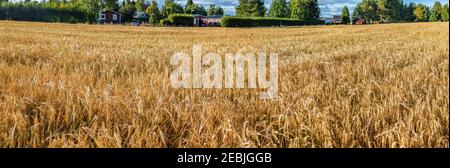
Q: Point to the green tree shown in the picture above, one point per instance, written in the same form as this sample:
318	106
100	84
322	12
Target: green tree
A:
214	10
189	3
409	12
399	10
436	12
111	4
171	7
367	10
305	9
385	10
252	8
128	10
153	12
298	8
92	8
279	9
190	7
420	13
140	6
390	10
313	9
445	13
200	10
345	15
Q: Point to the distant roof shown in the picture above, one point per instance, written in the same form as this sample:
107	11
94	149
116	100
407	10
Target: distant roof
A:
111	11
209	17
197	15
215	16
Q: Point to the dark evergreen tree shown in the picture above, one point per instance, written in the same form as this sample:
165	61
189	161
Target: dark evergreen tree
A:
345	15
390	10
409	12
128	10
214	10
111	4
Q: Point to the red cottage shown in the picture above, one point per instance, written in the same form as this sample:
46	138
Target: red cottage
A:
110	17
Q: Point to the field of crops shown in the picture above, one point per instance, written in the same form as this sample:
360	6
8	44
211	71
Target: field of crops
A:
65	85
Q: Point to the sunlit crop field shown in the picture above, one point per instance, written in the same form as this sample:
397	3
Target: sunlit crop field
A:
64	85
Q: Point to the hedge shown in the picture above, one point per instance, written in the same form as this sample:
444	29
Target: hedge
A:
231	21
181	20
164	22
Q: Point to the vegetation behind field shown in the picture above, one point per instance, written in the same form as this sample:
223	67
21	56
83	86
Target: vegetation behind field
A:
87	11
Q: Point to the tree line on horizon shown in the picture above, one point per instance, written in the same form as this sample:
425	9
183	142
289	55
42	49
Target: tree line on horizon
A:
295	9
386	11
171	7
383	11
87	10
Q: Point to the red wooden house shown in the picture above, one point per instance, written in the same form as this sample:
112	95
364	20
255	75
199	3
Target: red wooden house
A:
110	17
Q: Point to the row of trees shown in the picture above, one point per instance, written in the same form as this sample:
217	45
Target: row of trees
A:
130	7
297	9
396	11
87	10
45	12
171	7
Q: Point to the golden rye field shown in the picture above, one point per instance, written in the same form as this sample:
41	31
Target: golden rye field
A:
65	85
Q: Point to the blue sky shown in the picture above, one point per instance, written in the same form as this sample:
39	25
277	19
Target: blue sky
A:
327	7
